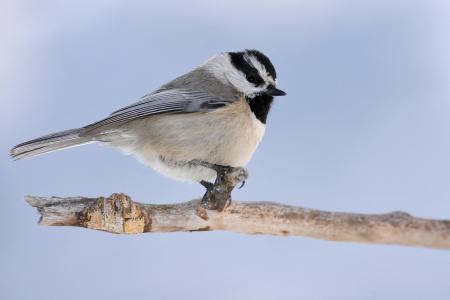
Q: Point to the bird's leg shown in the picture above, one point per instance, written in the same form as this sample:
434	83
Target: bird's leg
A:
218	194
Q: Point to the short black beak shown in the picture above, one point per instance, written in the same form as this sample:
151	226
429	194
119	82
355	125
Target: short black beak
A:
273	91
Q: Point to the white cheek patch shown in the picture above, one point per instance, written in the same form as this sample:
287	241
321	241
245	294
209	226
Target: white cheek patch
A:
222	68
238	80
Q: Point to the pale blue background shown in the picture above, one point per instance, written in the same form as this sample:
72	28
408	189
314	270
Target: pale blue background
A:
365	128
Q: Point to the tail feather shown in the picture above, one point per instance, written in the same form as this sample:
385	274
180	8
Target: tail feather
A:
51	142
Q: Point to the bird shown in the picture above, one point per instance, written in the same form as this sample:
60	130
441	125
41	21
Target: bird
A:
214	115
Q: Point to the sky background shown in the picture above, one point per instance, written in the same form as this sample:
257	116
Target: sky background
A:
365	128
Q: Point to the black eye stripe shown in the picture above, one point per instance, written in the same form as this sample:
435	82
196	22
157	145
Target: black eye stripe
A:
239	62
265	61
255	79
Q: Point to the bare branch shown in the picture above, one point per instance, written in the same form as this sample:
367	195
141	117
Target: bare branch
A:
119	214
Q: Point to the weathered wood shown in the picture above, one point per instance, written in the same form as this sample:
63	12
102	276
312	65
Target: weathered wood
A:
119	214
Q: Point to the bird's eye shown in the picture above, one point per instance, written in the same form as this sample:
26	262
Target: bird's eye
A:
254	79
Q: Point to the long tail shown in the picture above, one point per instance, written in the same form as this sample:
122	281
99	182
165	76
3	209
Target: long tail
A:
51	142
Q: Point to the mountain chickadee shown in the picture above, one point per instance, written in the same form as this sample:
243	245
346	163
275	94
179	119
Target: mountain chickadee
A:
215	114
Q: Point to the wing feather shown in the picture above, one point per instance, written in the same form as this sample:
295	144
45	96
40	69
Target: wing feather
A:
163	101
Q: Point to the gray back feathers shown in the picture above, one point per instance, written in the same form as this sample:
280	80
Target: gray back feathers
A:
196	91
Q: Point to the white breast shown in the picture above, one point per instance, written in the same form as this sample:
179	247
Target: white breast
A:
228	136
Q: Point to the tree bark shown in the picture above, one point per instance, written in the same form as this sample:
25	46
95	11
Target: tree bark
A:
119	214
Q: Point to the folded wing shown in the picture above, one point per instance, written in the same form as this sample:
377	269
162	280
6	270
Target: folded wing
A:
162	101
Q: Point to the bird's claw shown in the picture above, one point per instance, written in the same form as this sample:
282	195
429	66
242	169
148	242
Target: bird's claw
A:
242	184
206	184
218	194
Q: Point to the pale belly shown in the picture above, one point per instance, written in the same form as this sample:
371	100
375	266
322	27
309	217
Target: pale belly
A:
168	143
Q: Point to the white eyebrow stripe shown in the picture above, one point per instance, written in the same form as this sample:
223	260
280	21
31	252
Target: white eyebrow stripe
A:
261	68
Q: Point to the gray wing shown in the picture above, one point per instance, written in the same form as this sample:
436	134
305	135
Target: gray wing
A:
163	101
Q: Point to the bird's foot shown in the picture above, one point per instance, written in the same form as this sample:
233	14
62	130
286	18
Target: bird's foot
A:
218	194
206	184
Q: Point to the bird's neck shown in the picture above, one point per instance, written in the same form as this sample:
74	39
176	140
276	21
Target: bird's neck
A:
260	106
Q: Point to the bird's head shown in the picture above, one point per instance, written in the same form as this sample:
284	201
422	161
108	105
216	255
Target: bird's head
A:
249	72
